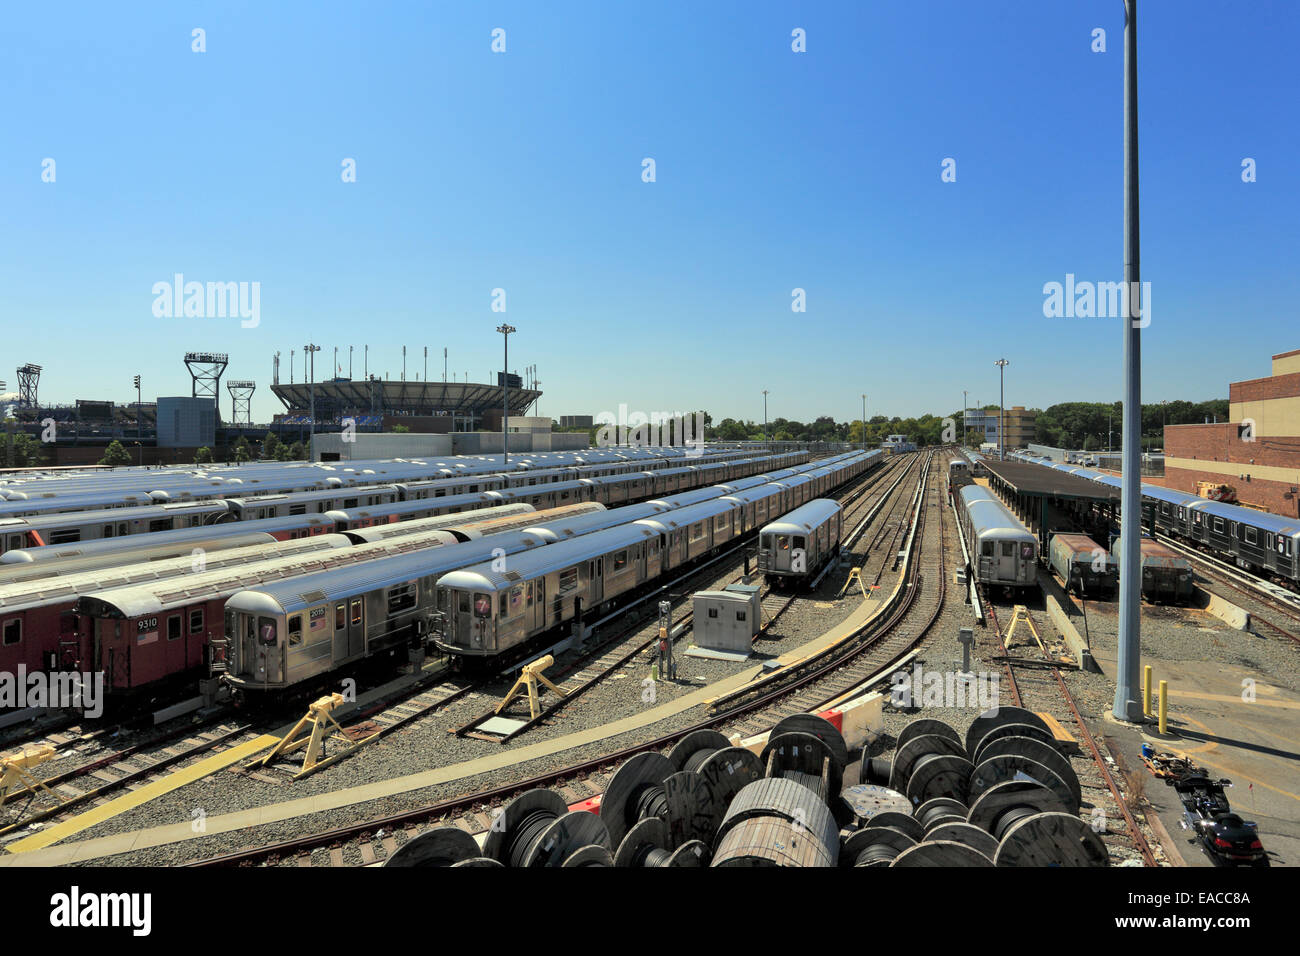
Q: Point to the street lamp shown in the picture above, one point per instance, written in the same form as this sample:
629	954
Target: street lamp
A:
864	422
1002	429
964	406
139	424
505	329
766	446
311	350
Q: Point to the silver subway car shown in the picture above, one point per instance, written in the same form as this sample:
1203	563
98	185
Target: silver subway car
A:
793	549
1003	552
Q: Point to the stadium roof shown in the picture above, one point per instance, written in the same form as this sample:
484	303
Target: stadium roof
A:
411	398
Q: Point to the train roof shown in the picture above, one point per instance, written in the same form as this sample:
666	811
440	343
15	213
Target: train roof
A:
482	498
804	518
1264	520
988	515
112	515
564	528
524	491
694	496
688	515
526	565
295	594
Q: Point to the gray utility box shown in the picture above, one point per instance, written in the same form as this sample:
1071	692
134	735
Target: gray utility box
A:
751	591
725	621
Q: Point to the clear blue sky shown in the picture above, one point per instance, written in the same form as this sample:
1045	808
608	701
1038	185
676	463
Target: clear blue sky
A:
775	170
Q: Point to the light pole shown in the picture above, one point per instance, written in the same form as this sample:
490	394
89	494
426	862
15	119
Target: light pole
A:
291	353
426	363
349	363
311	350
766	446
1127	705
139	423
403	363
365	363
1002	431
334	374
964	406
505	329
444	363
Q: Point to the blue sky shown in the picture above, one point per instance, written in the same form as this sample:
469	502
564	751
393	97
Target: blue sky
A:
775	170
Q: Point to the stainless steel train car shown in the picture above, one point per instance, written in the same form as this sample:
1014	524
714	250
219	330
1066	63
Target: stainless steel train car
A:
38	531
1002	551
285	632
794	548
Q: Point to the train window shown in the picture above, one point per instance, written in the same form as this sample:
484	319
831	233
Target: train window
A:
620	560
987	549
340	617
530	593
356	612
568	580
1218	524
174	627
349	502
401	598
800	541
1196	517
162	524
782	542
482	605
66	536
1252	536
463	603
108	531
299	509
196	620
295	629
13	631
1008	549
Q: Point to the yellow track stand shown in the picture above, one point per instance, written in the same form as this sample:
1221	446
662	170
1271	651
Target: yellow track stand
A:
529	676
14	769
1021	613
319	715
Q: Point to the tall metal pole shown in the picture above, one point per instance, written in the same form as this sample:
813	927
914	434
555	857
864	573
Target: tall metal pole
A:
964	406
1127	705
766	446
139	420
444	363
1002	431
349	362
864	422
426	363
403	363
334	372
366	363
311	350
505	329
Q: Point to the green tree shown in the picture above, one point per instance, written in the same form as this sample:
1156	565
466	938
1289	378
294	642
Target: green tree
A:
283	453
298	452
242	450
401	429
115	455
271	445
203	456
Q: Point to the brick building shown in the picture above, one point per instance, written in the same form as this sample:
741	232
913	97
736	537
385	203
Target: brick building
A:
1257	451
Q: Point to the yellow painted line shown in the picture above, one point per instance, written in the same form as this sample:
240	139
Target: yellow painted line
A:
1235	699
129	801
1236	771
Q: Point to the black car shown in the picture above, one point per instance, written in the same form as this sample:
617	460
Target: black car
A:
1229	840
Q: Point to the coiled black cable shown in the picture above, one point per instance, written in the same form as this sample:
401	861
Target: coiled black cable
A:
526	835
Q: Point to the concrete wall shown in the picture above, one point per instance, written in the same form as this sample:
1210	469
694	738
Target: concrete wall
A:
186	422
1265	473
371	445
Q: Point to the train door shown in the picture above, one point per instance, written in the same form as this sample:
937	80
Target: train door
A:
1006	561
340	645
356	627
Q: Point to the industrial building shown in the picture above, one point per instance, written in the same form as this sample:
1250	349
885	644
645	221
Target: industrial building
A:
1254	457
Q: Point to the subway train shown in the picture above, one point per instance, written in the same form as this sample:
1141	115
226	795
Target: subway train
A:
1002	552
794	548
364	506
43	628
1264	543
275	641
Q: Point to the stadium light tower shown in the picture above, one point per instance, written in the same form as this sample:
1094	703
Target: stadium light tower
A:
139	425
311	350
1002	432
505	329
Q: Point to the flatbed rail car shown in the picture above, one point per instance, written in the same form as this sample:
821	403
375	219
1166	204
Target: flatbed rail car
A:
1083	565
793	549
282	633
1166	575
1003	552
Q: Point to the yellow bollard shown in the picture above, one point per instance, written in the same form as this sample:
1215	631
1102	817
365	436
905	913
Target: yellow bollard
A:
1146	691
1164	697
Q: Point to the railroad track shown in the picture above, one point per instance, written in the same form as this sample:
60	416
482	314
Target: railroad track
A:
576	782
1036	684
1252	586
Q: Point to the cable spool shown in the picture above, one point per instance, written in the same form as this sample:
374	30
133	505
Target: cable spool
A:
590	855
931	812
987	809
785	824
819	727
441	846
647	845
1051	839
1012	730
972	836
695	748
875	771
799	753
564	836
875	846
520	825
903	822
941	853
996	717
939	775
479	861
917	749
1010	766
926	726
1034	749
636	789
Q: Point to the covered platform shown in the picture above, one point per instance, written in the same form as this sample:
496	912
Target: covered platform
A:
1049	500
